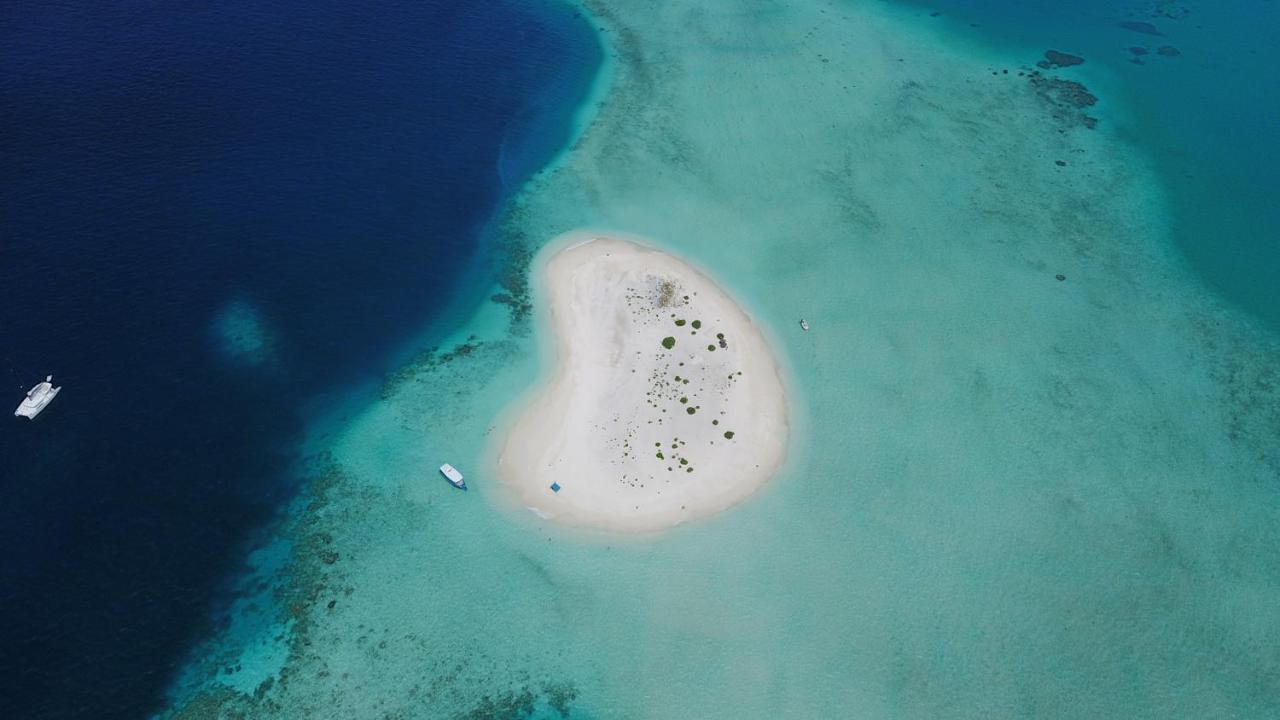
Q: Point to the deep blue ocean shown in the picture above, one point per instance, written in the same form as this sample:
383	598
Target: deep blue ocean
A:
171	173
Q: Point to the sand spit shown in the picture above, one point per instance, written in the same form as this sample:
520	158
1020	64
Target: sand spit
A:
666	403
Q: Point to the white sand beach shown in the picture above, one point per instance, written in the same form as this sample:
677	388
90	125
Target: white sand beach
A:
665	405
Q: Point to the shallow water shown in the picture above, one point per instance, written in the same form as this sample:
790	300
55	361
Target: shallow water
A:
1034	468
1195	78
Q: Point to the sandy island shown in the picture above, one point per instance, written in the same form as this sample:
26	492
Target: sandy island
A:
665	405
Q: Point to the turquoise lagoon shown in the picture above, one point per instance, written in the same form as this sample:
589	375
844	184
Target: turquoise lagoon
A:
1008	494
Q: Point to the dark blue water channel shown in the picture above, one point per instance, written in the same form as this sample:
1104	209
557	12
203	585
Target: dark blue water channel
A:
210	214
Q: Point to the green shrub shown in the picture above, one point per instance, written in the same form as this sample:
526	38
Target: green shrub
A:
668	342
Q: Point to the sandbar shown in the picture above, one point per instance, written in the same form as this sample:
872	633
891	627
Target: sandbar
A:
665	404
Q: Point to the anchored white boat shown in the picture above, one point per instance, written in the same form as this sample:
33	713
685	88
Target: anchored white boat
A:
804	325
453	476
37	399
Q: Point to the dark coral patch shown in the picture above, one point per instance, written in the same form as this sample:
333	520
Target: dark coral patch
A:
1145	28
1054	59
1068	98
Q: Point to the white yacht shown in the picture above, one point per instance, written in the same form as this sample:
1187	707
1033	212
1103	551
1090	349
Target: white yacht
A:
37	399
453	476
804	325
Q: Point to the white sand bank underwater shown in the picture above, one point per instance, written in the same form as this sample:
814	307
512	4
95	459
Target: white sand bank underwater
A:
666	404
1005	495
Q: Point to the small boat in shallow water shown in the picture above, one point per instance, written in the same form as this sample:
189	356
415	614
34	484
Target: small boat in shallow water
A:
804	325
453	476
37	399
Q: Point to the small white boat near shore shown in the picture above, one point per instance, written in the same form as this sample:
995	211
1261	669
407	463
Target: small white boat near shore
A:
804	325
453	476
37	399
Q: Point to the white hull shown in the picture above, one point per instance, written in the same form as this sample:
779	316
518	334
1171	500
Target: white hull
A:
37	399
453	476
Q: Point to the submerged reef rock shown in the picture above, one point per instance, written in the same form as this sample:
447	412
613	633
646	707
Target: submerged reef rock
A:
1067	98
243	335
1168	51
425	360
1054	59
1168	9
1145	28
514	255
